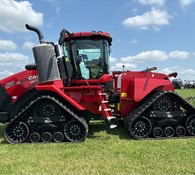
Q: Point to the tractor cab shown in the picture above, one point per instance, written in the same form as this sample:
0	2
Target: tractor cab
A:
85	54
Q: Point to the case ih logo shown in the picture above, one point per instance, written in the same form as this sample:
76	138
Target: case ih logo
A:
32	77
9	84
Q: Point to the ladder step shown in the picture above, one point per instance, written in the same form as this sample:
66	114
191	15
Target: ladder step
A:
107	109
102	94
111	117
104	101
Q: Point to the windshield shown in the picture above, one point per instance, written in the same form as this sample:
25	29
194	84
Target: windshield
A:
90	53
91	57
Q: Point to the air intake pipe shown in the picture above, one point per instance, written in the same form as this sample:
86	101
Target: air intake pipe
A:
45	58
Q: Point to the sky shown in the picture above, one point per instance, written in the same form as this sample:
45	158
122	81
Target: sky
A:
145	33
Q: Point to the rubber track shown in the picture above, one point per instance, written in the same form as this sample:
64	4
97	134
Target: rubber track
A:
148	102
82	120
142	107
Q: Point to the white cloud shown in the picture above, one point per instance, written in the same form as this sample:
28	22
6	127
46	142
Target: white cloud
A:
119	66
130	62
152	2
183	73
12	62
13	58
155	55
7	45
169	70
179	54
28	45
185	3
5	73
14	15
127	59
112	60
154	18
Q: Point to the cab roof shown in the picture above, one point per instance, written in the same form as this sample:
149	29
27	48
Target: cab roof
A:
87	35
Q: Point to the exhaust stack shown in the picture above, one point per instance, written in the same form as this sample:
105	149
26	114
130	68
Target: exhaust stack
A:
39	33
45	58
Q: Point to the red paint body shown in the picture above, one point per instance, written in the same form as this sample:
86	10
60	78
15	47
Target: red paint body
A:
88	34
19	83
137	85
83	94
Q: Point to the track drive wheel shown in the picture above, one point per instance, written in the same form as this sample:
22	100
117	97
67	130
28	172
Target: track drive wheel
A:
140	127
190	125
75	131
16	132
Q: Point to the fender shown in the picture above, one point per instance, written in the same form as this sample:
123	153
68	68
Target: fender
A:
57	87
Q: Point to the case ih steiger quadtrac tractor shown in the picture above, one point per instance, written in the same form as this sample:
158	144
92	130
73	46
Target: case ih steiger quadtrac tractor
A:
55	98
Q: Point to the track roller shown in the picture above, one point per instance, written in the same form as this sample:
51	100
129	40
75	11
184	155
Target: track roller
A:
46	137
180	131
169	131
157	132
35	137
58	137
16	132
190	125
75	131
140	127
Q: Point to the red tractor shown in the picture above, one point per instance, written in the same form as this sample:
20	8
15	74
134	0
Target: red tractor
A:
55	98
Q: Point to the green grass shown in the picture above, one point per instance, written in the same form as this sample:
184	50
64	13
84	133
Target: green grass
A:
186	92
104	152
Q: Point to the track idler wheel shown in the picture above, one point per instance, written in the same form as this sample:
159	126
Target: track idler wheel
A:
157	132
58	137
75	131
46	137
16	132
169	131
140	127
35	137
190	125
180	131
